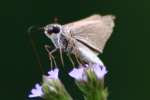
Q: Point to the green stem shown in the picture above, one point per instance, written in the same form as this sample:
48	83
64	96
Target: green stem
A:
96	95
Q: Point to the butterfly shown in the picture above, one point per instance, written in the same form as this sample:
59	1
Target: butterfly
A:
85	38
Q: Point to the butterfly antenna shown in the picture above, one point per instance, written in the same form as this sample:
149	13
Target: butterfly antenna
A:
34	48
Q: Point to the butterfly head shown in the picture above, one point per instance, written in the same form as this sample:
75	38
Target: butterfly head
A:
52	29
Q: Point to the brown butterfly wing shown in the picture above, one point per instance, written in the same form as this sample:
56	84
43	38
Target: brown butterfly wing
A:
93	31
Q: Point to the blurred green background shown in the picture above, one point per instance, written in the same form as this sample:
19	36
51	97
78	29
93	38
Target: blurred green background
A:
126	53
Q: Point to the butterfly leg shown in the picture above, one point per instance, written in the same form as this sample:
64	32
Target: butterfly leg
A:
51	57
77	56
71	48
70	58
61	56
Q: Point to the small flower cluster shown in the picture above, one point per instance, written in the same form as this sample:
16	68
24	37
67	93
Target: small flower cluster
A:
51	88
89	79
37	91
81	73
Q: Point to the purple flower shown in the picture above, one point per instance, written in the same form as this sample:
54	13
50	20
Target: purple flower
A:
99	71
36	92
78	73
53	74
81	73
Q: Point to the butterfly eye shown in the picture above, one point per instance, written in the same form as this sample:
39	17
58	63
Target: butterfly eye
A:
53	29
56	29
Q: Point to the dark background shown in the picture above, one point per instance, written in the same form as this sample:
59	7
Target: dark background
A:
126	53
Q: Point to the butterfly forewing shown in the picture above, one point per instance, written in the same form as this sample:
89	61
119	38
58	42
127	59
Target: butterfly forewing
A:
93	31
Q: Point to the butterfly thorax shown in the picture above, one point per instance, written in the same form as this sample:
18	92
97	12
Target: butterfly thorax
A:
59	41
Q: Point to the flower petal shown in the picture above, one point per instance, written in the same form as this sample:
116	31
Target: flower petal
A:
100	71
53	73
36	92
78	74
